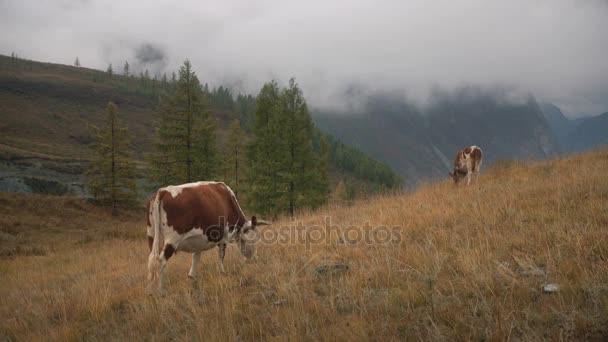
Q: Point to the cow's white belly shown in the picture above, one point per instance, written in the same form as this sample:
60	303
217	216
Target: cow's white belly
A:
195	241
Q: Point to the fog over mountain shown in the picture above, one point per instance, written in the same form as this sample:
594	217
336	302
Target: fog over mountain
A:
338	50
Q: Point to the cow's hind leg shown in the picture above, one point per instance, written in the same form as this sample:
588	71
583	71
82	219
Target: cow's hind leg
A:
196	258
167	252
222	253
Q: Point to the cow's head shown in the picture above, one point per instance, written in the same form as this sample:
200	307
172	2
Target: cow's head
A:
249	237
457	175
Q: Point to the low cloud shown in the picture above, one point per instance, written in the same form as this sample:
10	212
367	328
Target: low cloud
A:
554	49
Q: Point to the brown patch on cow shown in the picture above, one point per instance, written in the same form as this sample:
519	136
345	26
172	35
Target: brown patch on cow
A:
209	207
457	159
466	151
150	242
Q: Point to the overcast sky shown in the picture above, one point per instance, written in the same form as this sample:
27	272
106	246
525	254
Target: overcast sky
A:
555	49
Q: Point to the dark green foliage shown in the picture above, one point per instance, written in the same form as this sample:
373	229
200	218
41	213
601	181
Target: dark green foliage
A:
245	106
263	166
286	173
186	149
221	98
234	152
140	96
111	171
353	161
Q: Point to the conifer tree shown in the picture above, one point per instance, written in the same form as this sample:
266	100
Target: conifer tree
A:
111	172
296	135
287	174
186	147
110	70
264	164
234	156
77	62
125	69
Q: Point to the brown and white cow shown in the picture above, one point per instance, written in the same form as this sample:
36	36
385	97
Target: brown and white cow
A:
467	162
193	218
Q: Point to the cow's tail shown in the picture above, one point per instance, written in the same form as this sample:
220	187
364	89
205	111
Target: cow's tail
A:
153	259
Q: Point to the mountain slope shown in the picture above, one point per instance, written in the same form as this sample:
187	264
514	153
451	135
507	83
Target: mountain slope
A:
590	133
421	145
577	134
47	111
558	122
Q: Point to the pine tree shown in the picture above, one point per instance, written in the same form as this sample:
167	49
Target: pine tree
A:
111	172
186	148
263	161
77	62
125	69
234	156
110	70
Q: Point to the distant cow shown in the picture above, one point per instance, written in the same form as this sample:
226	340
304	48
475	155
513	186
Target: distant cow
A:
193	218
467	161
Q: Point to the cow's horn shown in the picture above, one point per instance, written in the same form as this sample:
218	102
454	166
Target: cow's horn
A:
263	223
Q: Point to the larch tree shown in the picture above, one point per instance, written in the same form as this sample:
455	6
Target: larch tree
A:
286	173
299	169
186	144
110	70
77	62
263	162
125	69
111	172
234	156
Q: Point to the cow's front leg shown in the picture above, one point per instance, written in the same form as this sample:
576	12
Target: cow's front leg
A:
222	253
469	174
196	258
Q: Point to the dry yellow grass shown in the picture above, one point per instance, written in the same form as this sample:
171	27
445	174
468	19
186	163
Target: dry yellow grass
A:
456	274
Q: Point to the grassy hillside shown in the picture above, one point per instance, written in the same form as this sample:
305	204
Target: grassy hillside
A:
463	263
47	111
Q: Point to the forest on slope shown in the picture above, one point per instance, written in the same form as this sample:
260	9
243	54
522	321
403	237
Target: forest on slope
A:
48	111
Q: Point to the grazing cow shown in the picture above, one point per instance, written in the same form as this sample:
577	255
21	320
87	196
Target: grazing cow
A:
468	161
193	218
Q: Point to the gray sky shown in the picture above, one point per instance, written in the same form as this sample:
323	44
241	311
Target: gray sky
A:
556	49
